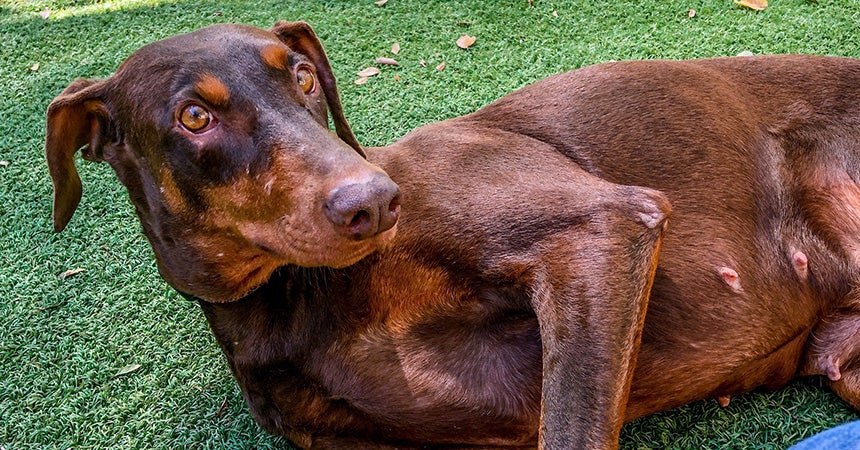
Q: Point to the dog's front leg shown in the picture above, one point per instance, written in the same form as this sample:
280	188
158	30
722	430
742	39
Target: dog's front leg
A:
590	293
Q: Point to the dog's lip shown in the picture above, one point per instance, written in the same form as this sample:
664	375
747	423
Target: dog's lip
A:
268	250
351	252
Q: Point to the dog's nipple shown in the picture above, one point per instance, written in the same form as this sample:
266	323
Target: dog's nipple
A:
731	278
801	264
830	367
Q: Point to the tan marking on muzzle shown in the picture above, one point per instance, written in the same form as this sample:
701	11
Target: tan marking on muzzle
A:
170	193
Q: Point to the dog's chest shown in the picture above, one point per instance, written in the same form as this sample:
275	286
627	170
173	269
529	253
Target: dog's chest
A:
443	356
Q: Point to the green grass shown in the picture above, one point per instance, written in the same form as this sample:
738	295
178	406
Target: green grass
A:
63	341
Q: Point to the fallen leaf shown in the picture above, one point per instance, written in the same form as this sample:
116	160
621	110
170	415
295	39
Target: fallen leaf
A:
555	13
466	41
440	66
691	13
4	163
386	61
745	53
361	81
395	48
45	13
34	67
396	77
223	407
71	272
127	370
50	307
758	5
423	63
369	72
380	2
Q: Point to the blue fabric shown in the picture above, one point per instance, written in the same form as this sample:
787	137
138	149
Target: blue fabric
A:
843	437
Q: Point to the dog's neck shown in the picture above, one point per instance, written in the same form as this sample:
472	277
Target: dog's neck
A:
299	308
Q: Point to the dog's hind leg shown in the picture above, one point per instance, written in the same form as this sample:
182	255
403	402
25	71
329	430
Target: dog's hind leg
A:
834	351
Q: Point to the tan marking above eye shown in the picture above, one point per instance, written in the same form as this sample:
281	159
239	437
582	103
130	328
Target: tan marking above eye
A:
305	79
274	56
195	117
212	89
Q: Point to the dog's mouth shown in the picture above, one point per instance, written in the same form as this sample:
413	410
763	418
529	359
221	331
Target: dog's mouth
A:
330	249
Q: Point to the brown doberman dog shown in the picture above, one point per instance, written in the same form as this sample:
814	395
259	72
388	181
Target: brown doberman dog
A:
503	304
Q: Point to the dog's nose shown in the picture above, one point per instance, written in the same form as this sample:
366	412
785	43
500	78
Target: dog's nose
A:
363	210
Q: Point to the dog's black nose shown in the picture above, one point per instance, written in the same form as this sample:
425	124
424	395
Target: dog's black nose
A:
363	210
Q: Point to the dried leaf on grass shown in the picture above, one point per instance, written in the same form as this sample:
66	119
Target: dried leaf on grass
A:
369	72
691	13
34	67
380	2
45	13
127	370
466	41
441	66
386	61
223	407
4	163
361	80
395	48
71	272
758	5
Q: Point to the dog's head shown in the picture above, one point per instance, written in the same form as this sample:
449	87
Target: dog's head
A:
221	138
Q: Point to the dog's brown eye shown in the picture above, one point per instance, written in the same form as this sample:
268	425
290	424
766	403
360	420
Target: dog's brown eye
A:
305	79
195	118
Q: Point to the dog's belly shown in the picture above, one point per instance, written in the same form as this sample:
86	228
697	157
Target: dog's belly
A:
708	334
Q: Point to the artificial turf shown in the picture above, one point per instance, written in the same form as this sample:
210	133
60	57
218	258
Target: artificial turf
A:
64	340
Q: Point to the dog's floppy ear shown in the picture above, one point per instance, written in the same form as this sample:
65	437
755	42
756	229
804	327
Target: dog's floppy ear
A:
76	120
300	37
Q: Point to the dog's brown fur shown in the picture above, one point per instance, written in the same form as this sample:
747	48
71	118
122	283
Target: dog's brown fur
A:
505	308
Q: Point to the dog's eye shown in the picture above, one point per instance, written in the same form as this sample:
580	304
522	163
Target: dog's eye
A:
305	79
195	118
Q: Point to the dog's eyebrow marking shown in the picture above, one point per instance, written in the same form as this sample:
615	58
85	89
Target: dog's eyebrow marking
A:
274	56
212	89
